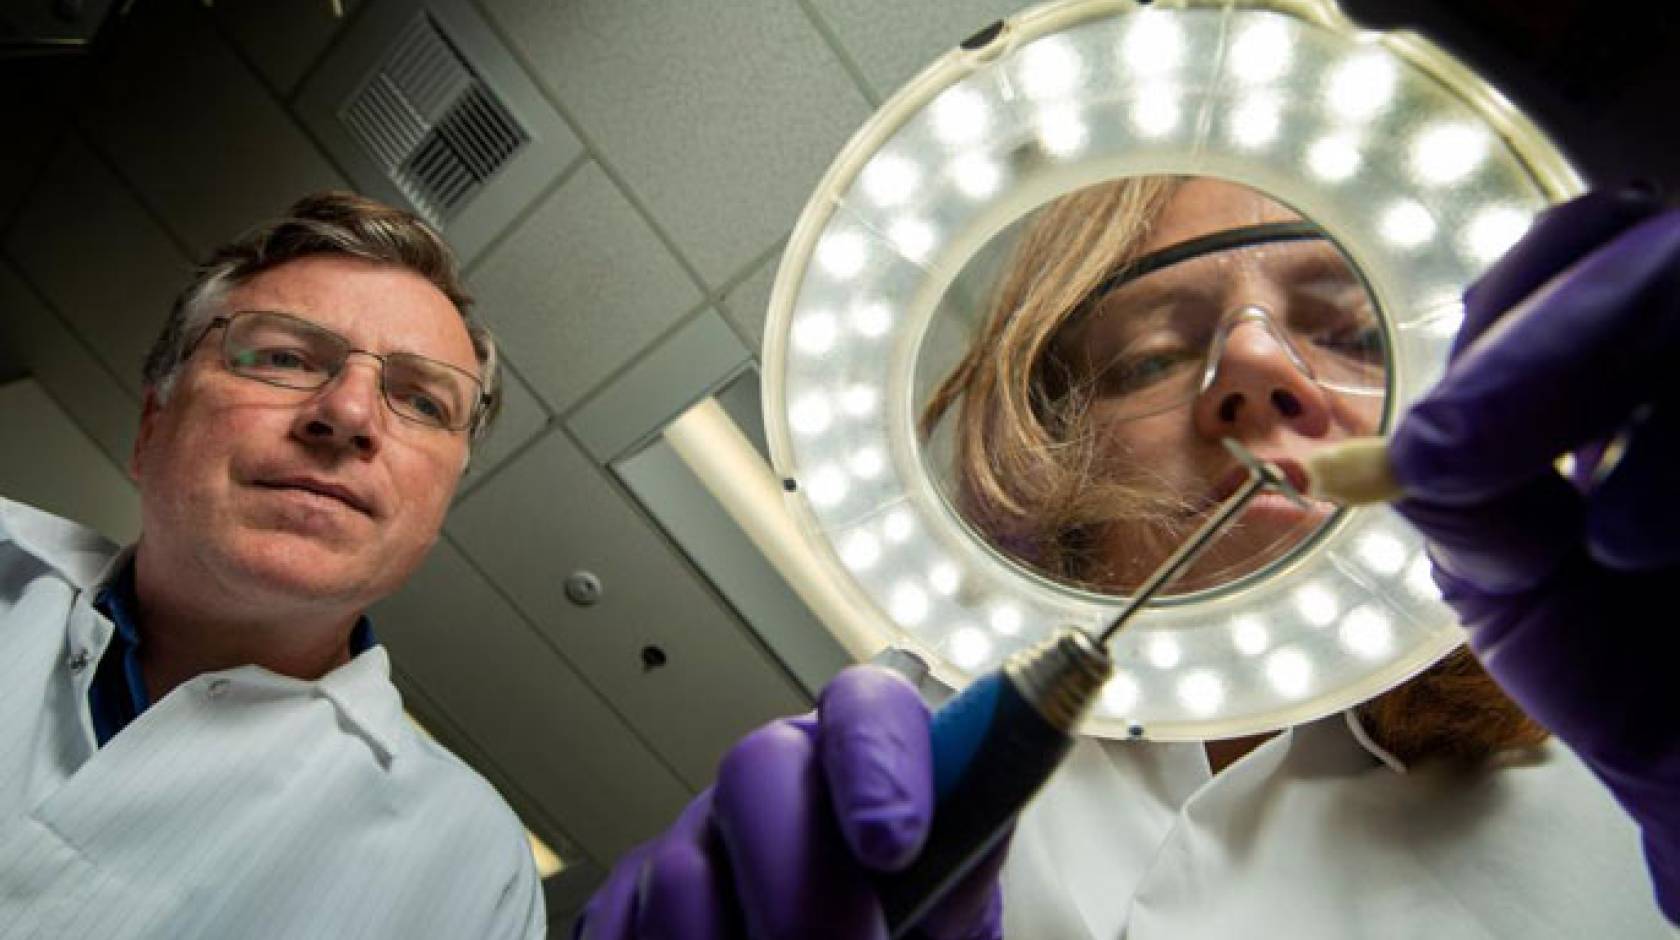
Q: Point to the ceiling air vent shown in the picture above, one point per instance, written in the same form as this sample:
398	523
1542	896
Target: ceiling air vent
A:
421	104
430	123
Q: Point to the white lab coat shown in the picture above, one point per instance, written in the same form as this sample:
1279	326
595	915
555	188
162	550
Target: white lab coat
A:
1313	836
242	804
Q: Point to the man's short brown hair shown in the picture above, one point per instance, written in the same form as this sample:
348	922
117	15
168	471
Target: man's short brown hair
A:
325	223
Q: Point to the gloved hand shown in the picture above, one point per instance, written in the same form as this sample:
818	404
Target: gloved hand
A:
804	809
1568	586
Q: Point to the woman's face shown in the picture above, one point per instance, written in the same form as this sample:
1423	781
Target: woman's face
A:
1158	410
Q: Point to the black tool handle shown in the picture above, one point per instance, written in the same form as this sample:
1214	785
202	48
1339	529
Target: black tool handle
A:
992	751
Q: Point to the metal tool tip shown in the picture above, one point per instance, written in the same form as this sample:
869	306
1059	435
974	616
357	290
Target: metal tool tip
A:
1269	472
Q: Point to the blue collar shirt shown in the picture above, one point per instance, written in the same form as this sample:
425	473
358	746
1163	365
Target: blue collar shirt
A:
243	803
118	693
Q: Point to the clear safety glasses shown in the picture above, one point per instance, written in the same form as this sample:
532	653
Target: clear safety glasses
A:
283	350
1157	334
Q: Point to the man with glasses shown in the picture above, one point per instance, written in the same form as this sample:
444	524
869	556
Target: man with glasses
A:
198	733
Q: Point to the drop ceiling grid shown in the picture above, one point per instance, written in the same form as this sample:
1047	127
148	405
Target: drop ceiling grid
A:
553	512
717	117
201	139
84	243
706	125
530	712
581	287
59	358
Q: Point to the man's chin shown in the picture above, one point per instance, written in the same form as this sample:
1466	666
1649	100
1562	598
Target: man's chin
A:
304	569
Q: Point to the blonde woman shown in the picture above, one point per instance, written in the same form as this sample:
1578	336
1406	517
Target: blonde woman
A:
1137	323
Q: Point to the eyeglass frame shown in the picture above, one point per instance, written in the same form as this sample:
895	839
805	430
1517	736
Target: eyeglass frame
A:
479	405
1246	236
1263	318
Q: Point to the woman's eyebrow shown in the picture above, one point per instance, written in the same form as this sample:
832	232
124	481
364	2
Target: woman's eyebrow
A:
1315	263
1139	306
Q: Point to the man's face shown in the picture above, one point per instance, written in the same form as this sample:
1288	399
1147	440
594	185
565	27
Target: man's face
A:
286	496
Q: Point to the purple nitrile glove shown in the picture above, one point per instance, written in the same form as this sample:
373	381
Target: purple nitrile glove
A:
783	846
1567	586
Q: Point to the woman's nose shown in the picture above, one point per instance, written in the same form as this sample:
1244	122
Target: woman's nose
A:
1257	385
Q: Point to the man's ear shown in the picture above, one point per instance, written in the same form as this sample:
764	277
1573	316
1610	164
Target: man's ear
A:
149	409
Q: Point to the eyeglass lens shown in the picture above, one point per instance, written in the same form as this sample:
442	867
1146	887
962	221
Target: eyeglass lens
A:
292	353
1150	339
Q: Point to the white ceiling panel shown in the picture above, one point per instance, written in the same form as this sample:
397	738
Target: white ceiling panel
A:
891	41
55	357
200	138
525	709
579	288
550	513
97	256
719	116
747	303
421	104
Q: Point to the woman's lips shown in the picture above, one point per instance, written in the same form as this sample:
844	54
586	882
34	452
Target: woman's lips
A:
1270	505
1237	476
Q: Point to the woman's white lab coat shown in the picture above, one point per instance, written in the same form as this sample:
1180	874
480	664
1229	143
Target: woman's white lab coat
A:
1313	835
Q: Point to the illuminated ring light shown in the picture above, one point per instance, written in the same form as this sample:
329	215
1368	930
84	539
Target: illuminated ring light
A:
1423	174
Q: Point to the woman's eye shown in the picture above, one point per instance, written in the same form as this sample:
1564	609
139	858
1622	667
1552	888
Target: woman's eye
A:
1136	372
1364	344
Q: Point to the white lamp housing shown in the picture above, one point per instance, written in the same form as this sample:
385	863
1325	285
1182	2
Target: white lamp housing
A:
1420	171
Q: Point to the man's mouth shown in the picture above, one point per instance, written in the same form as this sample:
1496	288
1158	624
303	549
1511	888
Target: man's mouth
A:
336	491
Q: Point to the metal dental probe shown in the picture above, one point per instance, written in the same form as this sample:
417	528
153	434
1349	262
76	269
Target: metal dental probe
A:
999	741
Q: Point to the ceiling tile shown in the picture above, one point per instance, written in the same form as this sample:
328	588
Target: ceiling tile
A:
32	96
748	303
203	142
891	41
450	632
579	288
551	513
522	417
89	247
282	40
81	384
665	381
719	116
380	39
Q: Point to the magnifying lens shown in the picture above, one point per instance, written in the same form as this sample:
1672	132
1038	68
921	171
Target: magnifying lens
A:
1034	290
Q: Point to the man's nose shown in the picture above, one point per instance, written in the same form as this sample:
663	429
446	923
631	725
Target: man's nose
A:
345	412
1257	385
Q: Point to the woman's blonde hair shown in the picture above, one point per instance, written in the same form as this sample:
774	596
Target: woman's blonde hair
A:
1029	475
1027	463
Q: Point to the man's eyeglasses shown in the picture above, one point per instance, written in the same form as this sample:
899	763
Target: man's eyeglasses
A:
283	350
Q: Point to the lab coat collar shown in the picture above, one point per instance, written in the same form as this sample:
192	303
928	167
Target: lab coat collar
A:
362	692
1363	736
1336	745
83	556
